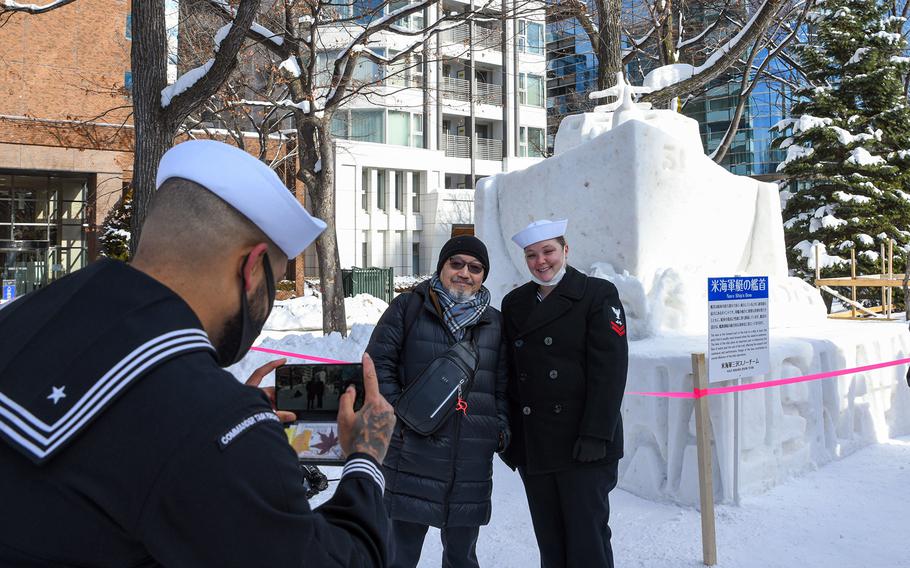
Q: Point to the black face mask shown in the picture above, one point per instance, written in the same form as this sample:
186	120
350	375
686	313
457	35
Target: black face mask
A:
242	330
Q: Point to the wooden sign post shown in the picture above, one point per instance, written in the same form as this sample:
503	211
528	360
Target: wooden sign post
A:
705	481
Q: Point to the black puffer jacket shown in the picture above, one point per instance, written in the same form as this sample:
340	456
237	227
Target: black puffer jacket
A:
434	480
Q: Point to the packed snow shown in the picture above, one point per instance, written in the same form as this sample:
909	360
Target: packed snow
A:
291	66
184	82
862	157
833	516
305	314
848	514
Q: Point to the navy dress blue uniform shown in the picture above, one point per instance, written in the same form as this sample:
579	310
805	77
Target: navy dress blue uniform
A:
126	445
568	357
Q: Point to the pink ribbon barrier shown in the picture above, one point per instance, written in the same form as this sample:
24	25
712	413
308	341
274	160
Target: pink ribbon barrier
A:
299	356
698	393
694	393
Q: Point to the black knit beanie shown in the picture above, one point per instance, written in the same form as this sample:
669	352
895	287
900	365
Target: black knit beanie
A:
465	244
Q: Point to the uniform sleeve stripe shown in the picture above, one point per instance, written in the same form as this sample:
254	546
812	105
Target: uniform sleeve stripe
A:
361	465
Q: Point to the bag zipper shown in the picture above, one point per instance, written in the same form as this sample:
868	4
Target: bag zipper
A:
443	403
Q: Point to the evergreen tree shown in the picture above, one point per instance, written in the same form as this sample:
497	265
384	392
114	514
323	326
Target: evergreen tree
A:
847	143
115	231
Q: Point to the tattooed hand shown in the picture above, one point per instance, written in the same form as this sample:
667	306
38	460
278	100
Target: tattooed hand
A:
369	429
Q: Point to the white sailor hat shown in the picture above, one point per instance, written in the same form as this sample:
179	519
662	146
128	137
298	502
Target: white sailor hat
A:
540	231
248	185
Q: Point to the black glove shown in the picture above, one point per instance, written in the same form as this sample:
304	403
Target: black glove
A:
588	449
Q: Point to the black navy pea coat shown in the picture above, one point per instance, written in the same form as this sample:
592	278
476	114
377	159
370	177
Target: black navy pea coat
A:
445	479
568	358
122	443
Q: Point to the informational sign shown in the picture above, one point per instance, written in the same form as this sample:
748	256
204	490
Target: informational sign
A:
738	345
9	291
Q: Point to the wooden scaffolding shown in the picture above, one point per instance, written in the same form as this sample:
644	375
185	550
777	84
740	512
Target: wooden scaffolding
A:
885	280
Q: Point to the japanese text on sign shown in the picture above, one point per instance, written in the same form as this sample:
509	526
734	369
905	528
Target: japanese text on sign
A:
738	345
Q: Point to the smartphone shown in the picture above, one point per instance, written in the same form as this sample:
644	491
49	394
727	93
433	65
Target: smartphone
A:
312	393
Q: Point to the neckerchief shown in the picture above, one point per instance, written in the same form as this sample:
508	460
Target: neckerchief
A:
460	316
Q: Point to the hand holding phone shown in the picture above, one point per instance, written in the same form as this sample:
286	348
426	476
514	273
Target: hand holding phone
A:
368	430
257	377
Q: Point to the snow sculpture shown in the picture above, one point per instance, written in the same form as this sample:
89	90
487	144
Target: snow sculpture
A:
647	210
651	213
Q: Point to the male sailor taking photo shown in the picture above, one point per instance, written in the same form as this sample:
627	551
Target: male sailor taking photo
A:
125	443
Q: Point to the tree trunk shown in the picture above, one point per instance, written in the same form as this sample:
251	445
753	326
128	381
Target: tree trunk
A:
724	147
609	49
154	132
317	147
666	41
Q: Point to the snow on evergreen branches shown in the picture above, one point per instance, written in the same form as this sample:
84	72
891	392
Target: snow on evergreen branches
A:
848	141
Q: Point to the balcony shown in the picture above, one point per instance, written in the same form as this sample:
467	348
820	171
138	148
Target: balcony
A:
460	90
484	36
460	147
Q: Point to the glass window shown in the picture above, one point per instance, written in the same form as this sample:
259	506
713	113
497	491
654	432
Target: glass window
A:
399	190
522	88
530	37
365	190
367	125
415	258
367	10
129	26
367	71
340	122
381	190
535	142
535	91
128	81
399	128
417	133
531	142
415	192
341	9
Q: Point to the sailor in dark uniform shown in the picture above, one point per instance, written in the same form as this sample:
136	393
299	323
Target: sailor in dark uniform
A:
124	441
566	334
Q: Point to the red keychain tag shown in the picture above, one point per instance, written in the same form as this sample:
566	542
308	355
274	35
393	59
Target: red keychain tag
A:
462	405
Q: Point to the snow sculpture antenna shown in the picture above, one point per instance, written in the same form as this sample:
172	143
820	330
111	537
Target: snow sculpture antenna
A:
624	108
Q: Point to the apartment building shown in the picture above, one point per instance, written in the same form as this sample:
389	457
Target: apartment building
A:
411	148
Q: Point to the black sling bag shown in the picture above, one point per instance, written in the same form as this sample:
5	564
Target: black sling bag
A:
431	399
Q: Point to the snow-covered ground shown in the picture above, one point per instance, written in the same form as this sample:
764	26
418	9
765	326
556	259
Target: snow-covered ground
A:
849	514
305	314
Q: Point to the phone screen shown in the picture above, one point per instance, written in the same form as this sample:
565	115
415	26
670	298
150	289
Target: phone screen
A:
312	391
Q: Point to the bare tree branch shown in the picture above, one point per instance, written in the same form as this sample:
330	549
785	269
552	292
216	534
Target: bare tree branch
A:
11	6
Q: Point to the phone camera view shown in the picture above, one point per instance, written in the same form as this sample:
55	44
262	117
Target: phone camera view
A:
313	391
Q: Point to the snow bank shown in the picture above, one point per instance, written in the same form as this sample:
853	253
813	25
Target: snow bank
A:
305	314
332	346
784	430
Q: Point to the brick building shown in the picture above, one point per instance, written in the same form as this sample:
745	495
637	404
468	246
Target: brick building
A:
65	136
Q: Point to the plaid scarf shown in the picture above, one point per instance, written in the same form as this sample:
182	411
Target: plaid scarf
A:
460	316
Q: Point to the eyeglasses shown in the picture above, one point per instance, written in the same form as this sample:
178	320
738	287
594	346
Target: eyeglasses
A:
457	264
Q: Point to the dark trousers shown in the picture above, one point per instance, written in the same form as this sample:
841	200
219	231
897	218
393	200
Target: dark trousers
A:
459	545
571	511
